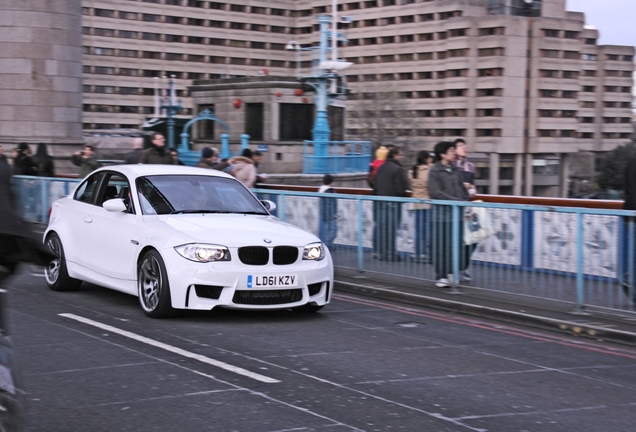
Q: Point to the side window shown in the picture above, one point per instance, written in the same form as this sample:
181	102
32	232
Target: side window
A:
116	186
85	192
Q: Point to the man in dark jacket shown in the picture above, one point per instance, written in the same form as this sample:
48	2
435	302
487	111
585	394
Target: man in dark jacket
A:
390	180
86	160
134	155
157	153
445	182
630	204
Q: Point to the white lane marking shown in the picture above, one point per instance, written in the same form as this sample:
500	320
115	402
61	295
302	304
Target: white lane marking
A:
172	349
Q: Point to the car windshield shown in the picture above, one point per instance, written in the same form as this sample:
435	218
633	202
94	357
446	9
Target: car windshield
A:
173	194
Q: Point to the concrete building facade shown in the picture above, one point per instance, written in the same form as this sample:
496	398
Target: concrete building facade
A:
526	84
41	67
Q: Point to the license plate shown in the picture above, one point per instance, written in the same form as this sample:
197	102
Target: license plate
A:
278	281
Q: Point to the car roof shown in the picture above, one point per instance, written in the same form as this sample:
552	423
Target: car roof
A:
138	170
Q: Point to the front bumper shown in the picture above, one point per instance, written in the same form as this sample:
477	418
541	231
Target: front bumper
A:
204	286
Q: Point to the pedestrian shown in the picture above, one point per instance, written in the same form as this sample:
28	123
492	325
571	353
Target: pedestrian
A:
23	163
257	157
134	155
157	153
86	160
244	169
467	169
174	153
445	182
630	204
3	157
380	156
419	189
208	158
390	180
44	162
328	225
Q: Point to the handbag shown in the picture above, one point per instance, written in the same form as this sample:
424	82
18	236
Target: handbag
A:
477	226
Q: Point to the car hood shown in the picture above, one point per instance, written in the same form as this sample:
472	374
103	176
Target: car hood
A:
230	230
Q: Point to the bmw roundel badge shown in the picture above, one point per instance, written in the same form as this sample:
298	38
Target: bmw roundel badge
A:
266	240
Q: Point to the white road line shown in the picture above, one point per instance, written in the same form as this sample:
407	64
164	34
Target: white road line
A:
172	349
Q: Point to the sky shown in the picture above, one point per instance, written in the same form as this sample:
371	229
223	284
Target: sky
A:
614	19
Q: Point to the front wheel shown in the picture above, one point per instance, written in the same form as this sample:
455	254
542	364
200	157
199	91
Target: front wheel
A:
55	272
153	286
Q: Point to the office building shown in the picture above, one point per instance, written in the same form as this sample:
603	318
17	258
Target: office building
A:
525	83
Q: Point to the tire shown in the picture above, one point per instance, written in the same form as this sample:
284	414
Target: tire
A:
55	272
153	287
308	308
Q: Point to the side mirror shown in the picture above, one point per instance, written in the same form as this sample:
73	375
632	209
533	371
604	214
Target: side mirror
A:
115	205
269	205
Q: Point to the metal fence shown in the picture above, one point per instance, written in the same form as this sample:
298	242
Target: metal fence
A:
578	255
340	157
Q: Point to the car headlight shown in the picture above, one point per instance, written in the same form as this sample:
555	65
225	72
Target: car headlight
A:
314	252
203	252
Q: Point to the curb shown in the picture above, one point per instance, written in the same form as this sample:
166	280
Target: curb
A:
545	323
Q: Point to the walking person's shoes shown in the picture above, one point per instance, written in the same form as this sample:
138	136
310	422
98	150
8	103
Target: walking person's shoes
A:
465	276
442	283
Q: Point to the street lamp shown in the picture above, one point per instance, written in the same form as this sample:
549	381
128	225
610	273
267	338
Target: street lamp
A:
172	107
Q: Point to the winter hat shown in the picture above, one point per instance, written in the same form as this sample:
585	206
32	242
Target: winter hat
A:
247	153
381	153
206	153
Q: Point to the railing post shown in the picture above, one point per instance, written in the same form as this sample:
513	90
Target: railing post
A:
580	286
43	200
456	245
631	265
360	238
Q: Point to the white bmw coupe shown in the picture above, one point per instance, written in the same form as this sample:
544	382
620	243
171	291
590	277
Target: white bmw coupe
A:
183	238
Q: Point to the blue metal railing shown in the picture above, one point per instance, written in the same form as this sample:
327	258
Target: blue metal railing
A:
342	157
578	255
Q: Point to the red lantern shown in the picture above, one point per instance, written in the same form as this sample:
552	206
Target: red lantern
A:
298	92
304	100
278	94
237	103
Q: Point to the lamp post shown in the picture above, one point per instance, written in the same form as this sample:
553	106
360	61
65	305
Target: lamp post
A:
172	108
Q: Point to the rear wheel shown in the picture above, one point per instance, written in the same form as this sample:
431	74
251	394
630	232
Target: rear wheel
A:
55	272
153	286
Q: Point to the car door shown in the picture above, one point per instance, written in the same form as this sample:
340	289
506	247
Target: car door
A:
111	239
73	213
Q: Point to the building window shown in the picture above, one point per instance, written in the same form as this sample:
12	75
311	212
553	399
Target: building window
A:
587	135
568	94
570	74
296	122
103	51
128	53
146	17
103	32
173	20
426	36
587	119
151	36
491	31
237	26
590	41
196	40
571	34
215	41
104	70
458	53
106	13
128	72
104	89
128	109
549	53
406	57
547	133
388	39
488	132
387	21
196	22
572	55
406	75
456	92
457	32
547	113
387	58
427	17
551	33
613	57
170	37
151	55
489	112
589	73
588	57
589	89
407	38
568	114
196	58
489	52
425	75
548	93
490	72
489	92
